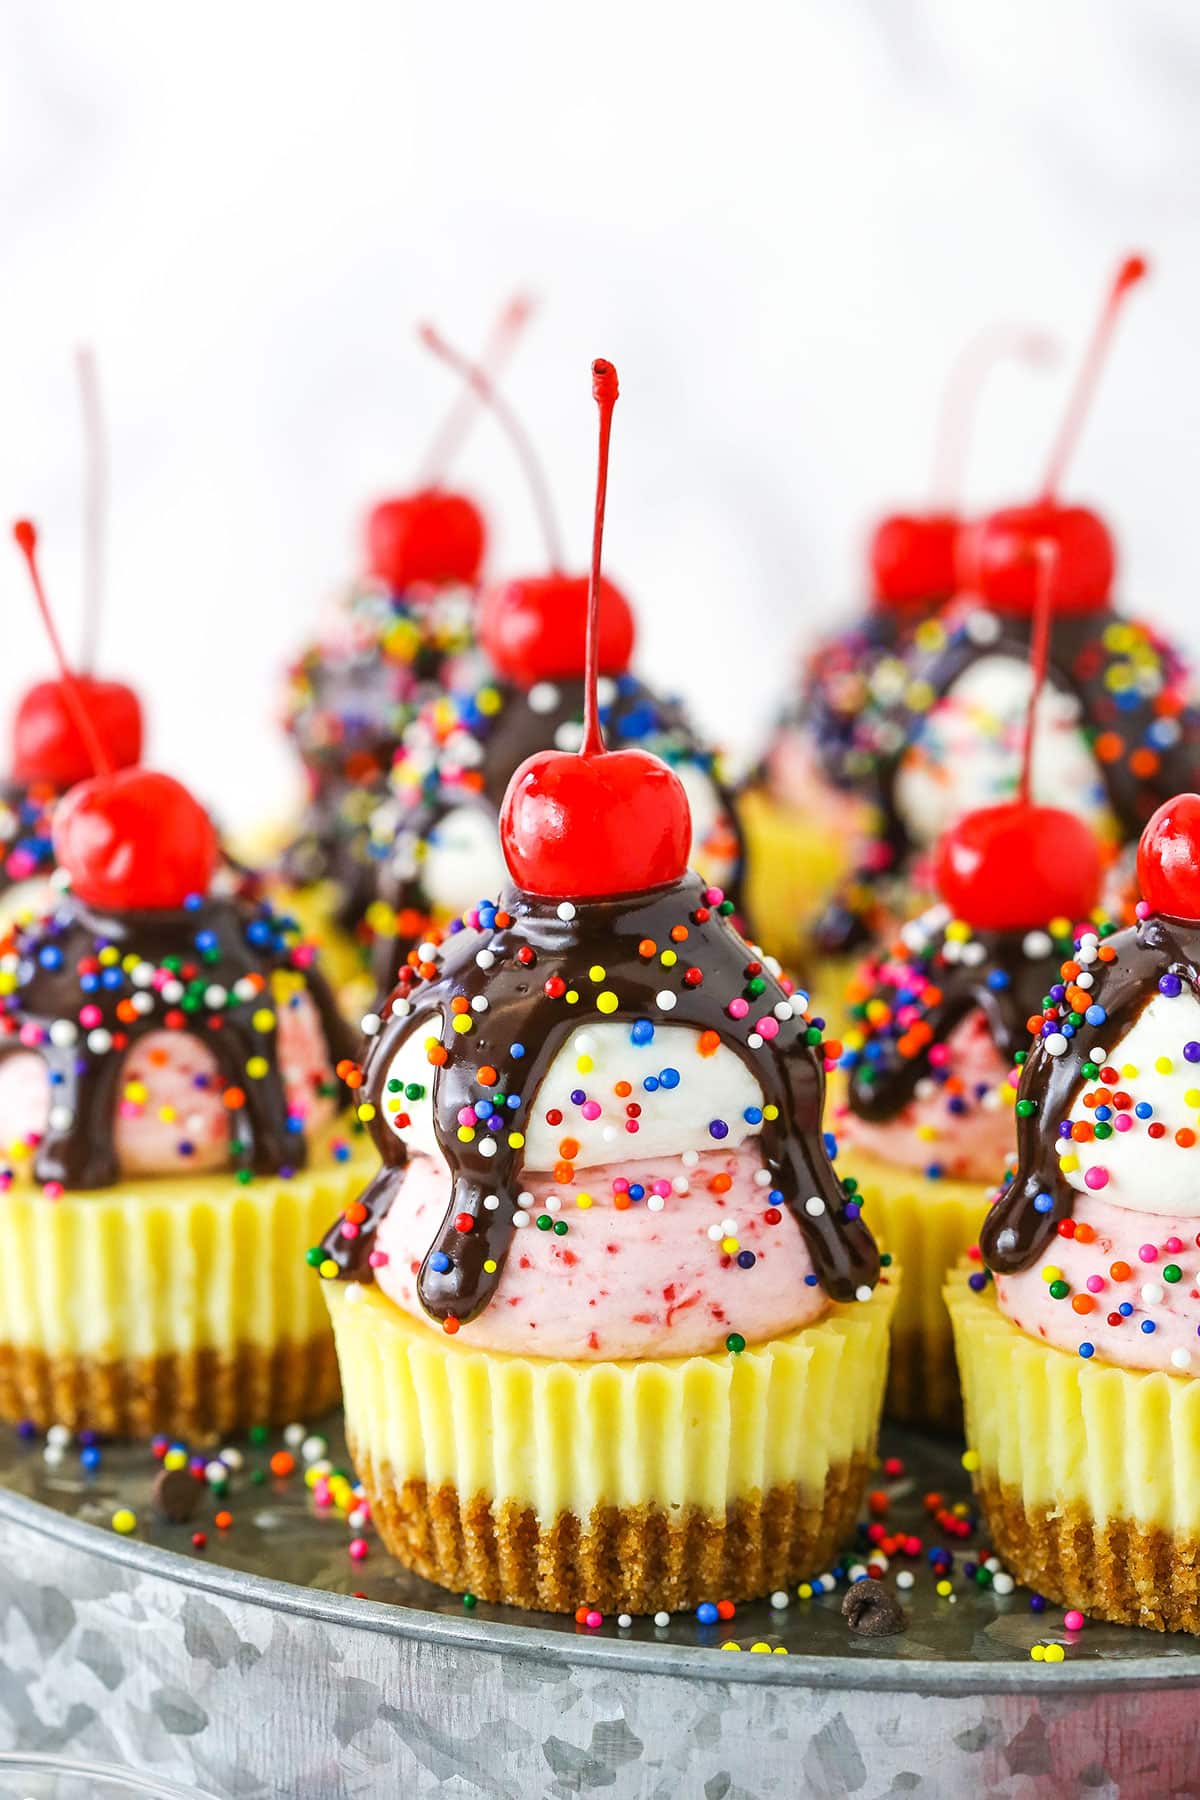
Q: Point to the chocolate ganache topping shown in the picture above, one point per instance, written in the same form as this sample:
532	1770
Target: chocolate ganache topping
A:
349	698
910	1000
348	703
1134	710
1072	1044
463	750
848	684
80	988
494	1009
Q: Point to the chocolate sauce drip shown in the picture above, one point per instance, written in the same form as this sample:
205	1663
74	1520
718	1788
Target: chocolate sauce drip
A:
1015	1233
520	1011
1079	664
235	941
518	728
1007	986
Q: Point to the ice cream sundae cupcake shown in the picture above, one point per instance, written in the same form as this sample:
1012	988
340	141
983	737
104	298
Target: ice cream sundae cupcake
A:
938	1022
405	632
811	808
169	1130
608	1323
1080	1361
435	845
1116	732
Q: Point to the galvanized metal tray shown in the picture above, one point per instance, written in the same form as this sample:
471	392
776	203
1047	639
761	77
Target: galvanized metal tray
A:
269	1663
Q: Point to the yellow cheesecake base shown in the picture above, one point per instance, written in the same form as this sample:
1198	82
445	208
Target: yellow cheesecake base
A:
1089	1474
178	1303
543	1484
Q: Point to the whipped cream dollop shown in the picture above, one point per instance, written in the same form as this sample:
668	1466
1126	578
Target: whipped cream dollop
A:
968	752
1135	1128
631	1088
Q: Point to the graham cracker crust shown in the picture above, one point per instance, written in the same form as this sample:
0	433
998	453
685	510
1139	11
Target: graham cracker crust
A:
634	1559
198	1394
923	1385
1112	1569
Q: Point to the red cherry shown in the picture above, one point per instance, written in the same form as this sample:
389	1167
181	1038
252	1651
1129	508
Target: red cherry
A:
912	559
536	629
135	841
1014	866
47	744
589	827
600	823
1168	859
912	555
432	536
997	557
68	729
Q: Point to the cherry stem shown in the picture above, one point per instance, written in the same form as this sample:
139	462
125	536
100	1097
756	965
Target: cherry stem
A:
605	391
95	504
451	434
1131	271
25	535
961	396
1046	552
480	383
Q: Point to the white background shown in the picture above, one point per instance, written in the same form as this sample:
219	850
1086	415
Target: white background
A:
780	221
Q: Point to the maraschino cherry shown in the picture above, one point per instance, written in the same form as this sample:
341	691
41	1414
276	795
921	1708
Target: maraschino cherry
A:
1013	866
1168	858
535	628
129	839
997	556
46	741
600	823
433	536
912	555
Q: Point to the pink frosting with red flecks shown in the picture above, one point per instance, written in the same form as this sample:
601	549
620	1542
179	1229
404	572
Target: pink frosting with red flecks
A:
622	1283
972	1145
179	1124
1143	1243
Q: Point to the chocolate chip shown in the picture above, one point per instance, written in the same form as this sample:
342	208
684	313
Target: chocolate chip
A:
872	1610
176	1495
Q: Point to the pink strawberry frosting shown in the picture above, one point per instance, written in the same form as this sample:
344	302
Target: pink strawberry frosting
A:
624	1282
171	1116
1114	1257
963	1125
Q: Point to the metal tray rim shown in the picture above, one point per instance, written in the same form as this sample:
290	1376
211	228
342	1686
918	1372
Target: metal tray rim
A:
917	1675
